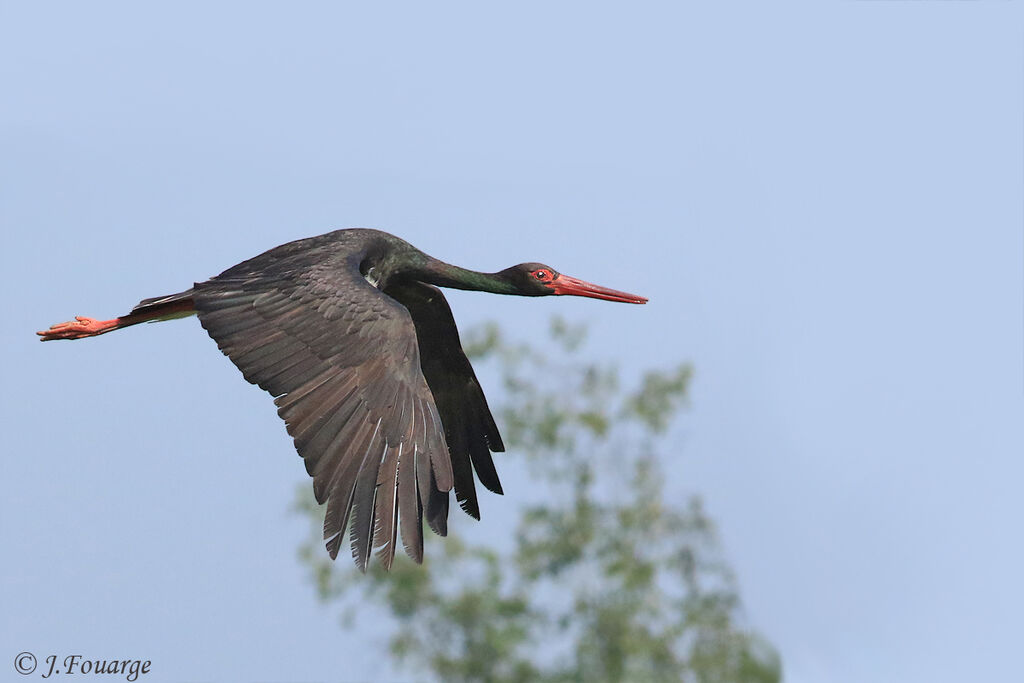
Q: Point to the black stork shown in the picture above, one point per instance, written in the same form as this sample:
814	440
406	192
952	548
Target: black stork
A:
350	334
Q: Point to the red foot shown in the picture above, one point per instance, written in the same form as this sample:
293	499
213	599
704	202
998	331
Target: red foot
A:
78	328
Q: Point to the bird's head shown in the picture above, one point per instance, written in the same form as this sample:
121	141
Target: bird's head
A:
537	279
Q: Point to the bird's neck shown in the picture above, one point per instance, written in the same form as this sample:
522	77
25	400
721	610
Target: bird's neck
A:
446	275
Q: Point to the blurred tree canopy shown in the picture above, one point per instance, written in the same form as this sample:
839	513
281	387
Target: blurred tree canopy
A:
602	579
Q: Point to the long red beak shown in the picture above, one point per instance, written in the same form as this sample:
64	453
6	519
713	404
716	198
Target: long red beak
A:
564	284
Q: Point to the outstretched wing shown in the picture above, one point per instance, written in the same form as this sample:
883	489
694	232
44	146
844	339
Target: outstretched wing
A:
342	361
468	425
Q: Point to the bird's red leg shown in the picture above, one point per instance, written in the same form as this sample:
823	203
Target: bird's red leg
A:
163	308
78	328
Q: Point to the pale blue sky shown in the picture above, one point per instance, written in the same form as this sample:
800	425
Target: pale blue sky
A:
822	200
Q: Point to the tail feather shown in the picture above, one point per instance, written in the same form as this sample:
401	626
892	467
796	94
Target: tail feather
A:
170	305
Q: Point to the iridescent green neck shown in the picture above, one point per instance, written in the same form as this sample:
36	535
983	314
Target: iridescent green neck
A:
446	275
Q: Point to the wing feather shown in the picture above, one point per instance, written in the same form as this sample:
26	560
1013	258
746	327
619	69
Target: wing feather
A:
365	501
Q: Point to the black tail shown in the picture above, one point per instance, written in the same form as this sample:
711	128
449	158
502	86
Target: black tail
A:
162	308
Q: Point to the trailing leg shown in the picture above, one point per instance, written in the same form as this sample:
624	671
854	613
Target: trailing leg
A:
149	310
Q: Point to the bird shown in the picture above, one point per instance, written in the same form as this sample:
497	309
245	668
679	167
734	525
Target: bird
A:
351	335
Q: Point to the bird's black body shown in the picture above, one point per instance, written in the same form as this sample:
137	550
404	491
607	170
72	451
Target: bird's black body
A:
361	353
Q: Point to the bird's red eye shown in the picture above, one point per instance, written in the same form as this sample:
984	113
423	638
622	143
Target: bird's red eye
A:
541	274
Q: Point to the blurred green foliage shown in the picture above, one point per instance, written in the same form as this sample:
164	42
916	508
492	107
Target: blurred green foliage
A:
603	579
